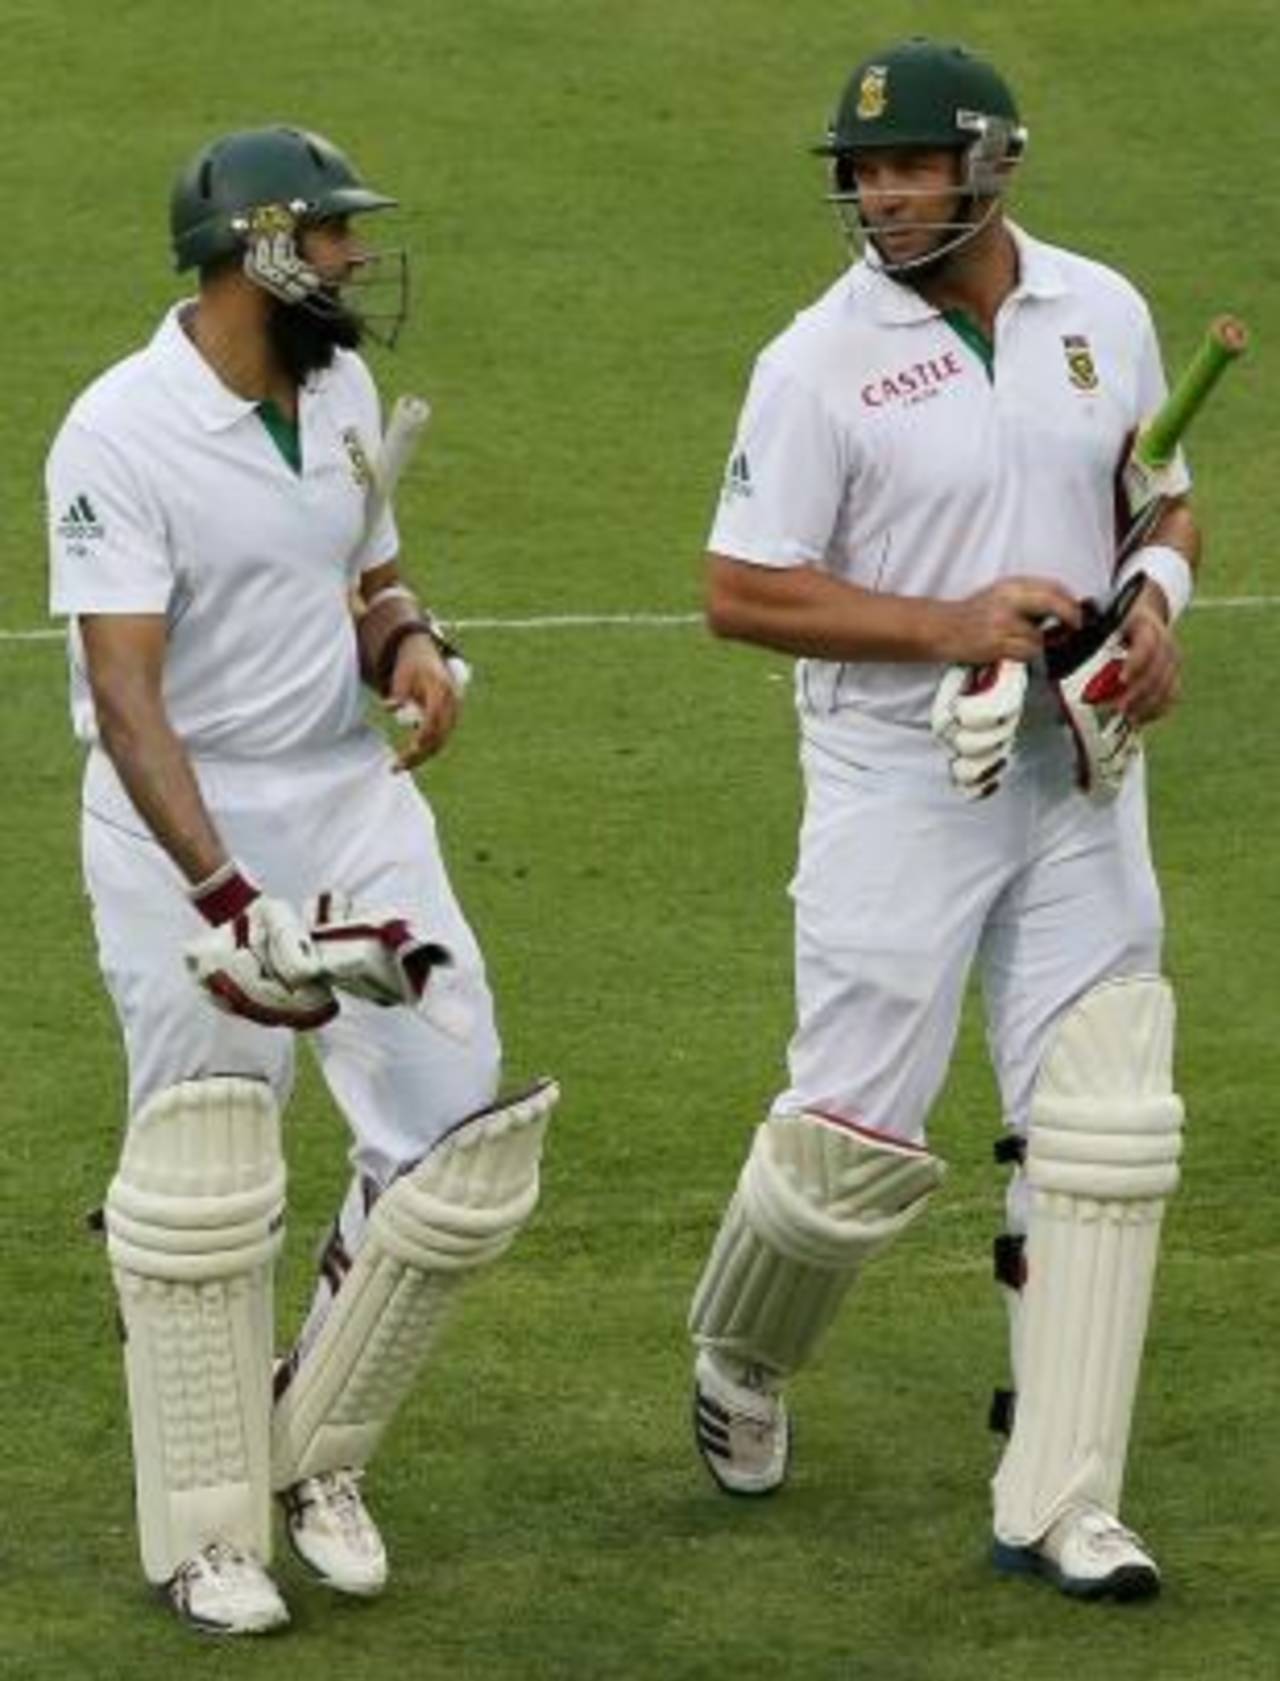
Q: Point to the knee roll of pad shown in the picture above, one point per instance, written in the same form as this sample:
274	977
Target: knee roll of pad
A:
816	1198
194	1219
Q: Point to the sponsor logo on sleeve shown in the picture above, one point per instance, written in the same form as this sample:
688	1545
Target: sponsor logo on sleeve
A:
80	526
737	479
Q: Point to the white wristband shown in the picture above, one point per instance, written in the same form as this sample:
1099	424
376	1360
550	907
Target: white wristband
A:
1165	566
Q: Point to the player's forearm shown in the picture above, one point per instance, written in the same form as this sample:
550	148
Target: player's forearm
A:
806	612
1170	557
156	772
1177	529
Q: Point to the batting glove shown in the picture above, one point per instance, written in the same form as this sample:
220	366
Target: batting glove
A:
976	713
258	960
383	959
1087	676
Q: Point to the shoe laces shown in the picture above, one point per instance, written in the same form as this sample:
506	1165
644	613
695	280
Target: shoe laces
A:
217	1558
338	1493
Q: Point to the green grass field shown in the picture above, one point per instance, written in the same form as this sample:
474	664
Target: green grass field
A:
609	208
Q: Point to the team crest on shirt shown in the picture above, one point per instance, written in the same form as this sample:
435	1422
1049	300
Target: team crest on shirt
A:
1080	365
361	466
873	97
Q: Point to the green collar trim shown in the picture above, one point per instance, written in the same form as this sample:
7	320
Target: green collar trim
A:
966	328
284	432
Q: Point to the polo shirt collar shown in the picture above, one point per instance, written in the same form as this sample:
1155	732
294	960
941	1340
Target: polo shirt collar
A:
1040	275
193	381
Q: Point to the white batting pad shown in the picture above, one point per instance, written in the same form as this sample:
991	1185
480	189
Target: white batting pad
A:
458	1209
816	1197
1102	1158
194	1220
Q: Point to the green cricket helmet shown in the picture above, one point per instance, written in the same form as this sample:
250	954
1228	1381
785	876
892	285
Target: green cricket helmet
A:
930	95
248	194
216	194
923	93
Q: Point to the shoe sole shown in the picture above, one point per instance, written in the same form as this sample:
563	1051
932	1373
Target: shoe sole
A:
1127	1583
206	1625
709	1459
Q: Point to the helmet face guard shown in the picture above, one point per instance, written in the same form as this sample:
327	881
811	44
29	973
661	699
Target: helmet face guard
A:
251	194
923	95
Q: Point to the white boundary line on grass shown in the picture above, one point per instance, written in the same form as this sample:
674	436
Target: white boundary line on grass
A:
643	621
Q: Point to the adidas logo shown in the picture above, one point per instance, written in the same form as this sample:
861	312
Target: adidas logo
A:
81	521
737	481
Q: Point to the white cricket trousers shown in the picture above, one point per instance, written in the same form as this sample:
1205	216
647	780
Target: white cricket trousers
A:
902	886
336	818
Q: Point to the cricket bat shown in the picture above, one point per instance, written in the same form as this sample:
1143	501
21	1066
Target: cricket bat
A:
1143	478
408	421
1143	474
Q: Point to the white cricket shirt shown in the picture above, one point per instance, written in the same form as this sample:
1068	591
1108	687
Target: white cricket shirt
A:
876	445
167	494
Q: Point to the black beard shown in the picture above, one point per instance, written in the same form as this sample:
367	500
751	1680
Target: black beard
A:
303	340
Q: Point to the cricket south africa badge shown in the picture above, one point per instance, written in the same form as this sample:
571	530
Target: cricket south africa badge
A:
361	466
872	95
1080	367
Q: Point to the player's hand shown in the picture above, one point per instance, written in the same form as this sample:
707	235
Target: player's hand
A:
1004	621
381	956
258	961
1153	662
1088	677
976	713
423	695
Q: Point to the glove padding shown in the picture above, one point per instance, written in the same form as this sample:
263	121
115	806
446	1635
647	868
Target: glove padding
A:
380	957
976	713
1086	674
261	964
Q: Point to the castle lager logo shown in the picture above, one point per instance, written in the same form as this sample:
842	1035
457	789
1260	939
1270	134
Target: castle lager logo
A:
872	94
914	384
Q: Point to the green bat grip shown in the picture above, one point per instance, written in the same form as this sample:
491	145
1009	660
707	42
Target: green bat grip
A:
1159	438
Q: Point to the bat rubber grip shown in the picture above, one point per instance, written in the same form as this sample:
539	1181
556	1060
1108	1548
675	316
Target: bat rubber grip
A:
1225	340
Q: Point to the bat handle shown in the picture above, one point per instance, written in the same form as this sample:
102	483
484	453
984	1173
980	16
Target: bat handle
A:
1226	339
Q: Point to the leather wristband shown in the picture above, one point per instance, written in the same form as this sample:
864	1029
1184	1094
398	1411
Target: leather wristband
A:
388	618
390	649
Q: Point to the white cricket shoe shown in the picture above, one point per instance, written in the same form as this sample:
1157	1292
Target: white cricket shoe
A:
1088	1554
330	1529
223	1590
740	1424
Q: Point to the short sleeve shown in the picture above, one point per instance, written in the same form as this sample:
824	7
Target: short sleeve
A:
107	545
784	484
